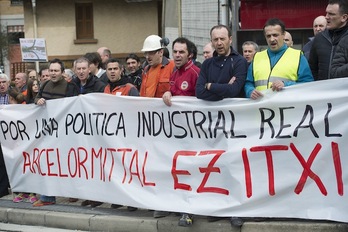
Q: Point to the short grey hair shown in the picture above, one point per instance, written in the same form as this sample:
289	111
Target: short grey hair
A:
251	43
4	76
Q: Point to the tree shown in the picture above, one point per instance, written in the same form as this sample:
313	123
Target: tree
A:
4	46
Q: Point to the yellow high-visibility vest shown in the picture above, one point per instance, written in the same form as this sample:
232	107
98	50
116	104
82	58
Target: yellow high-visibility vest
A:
285	69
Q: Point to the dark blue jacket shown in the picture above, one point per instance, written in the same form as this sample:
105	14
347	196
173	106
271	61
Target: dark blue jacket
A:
219	70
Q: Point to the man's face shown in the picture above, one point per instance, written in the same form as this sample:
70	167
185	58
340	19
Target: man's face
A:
45	75
132	65
4	84
334	18
221	42
114	71
208	51
249	52
154	58
82	71
180	54
32	74
319	25
55	72
274	37
20	80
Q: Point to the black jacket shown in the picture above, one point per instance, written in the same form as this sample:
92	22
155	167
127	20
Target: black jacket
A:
93	85
322	51
339	66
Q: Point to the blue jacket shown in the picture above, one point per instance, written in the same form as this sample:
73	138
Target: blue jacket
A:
219	70
304	72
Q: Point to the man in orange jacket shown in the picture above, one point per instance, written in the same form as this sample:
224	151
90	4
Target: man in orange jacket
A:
156	75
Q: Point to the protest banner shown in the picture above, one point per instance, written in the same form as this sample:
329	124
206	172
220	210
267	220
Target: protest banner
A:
281	156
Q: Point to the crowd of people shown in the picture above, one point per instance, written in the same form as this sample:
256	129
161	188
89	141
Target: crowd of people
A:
224	74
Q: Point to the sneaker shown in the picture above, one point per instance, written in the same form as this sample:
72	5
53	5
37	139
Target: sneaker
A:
32	198
40	203
236	221
95	203
116	206
186	220
160	214
130	208
20	197
85	202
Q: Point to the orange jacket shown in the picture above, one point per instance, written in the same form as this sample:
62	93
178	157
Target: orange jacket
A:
124	90
155	80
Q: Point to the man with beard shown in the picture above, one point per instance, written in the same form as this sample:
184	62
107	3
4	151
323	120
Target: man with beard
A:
55	88
277	66
134	69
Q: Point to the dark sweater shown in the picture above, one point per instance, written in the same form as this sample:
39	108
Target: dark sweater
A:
54	90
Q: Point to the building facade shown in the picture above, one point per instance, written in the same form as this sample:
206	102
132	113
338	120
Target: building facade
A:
245	17
12	28
73	28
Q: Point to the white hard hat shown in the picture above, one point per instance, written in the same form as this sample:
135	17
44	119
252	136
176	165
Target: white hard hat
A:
152	43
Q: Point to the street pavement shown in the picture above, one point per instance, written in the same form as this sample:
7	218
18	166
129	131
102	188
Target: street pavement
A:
6	227
72	216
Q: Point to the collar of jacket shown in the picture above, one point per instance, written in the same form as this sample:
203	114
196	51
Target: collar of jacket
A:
233	52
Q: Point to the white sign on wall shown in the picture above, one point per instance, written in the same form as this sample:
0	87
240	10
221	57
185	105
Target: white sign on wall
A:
33	49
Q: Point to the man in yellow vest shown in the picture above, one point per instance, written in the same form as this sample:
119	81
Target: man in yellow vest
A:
277	66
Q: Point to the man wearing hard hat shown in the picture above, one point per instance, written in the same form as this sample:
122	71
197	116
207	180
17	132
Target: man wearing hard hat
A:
155	78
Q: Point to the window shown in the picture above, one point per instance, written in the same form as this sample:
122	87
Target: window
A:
16	2
14	33
84	23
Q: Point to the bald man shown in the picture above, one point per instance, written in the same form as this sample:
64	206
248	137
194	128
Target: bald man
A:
105	54
208	51
319	25
288	39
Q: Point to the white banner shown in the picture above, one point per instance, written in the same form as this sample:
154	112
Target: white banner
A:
284	155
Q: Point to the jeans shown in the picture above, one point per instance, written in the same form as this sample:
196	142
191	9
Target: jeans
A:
47	198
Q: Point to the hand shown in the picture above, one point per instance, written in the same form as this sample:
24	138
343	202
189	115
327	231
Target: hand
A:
41	102
277	85
207	86
232	80
167	96
256	94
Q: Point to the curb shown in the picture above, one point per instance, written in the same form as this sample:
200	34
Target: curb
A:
111	223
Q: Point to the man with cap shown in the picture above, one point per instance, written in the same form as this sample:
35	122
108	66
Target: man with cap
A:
155	78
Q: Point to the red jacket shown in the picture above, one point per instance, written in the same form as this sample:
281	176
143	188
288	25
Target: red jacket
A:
183	80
